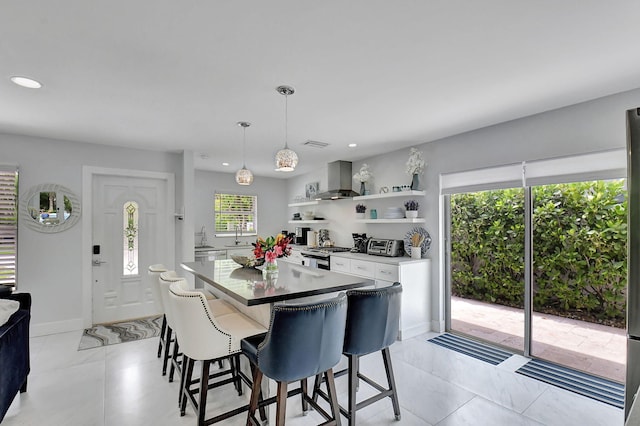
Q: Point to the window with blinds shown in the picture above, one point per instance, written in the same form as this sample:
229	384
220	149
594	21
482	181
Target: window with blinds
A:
8	225
236	213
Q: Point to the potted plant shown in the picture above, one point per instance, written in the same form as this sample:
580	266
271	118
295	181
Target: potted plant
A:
360	210
412	208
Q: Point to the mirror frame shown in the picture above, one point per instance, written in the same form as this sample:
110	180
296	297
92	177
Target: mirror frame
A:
28	221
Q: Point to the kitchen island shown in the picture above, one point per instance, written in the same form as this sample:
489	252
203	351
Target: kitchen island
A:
253	295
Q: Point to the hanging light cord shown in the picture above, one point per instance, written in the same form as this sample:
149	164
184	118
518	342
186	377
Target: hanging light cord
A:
244	144
286	121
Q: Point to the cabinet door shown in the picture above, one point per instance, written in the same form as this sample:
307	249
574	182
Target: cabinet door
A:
340	264
363	268
386	272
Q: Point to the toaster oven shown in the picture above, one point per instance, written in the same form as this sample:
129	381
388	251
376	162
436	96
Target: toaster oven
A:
385	247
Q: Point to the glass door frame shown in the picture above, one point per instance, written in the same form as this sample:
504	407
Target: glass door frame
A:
527	256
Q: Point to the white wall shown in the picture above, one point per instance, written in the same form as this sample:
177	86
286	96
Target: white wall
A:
272	204
50	265
591	126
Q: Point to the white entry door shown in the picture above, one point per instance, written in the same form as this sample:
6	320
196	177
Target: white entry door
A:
131	226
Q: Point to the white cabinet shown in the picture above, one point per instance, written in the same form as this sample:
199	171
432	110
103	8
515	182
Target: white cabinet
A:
415	276
340	264
363	268
386	272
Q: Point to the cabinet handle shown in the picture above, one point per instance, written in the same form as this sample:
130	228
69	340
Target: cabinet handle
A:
386	272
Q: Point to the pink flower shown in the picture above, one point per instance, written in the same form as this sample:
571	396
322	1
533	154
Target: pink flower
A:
278	251
270	256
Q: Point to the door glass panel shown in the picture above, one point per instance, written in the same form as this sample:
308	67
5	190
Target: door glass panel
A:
130	250
487	266
579	276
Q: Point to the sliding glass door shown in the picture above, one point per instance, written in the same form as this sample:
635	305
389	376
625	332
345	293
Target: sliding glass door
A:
579	275
542	270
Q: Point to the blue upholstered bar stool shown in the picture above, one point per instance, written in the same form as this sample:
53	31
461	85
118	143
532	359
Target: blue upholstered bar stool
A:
302	341
208	338
154	274
373	321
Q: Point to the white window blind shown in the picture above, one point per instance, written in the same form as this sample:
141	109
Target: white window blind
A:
593	166
236	213
8	224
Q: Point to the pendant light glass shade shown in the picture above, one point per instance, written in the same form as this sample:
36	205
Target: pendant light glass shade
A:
244	175
286	159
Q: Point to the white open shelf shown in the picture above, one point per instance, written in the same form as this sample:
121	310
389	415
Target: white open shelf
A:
389	195
308	221
405	220
303	203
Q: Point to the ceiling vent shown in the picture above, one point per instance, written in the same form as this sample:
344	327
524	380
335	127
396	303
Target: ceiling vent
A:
316	144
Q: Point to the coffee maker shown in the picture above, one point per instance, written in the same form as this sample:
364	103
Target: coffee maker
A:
301	235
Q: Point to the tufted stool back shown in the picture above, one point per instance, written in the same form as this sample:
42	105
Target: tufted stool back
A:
373	319
154	272
303	340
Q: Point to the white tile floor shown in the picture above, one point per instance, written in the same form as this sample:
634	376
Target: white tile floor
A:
122	385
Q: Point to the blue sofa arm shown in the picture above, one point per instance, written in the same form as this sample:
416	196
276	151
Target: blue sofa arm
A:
14	352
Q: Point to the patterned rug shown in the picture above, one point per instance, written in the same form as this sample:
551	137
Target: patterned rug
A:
121	332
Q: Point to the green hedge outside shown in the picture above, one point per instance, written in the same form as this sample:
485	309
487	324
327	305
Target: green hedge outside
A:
579	245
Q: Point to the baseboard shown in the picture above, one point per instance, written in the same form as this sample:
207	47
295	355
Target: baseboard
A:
416	330
46	328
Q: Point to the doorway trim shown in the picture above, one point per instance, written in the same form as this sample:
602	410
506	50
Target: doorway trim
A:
88	175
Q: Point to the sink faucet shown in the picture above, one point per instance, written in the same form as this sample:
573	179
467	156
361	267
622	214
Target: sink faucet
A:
203	239
238	228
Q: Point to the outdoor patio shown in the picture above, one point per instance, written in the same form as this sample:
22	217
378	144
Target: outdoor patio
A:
593	348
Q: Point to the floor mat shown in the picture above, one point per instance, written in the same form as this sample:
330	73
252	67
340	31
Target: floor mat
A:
581	383
472	348
128	331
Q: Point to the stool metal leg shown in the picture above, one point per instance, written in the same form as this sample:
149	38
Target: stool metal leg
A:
386	357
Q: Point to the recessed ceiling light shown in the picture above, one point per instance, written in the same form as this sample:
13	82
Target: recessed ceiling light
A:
225	164
26	82
353	145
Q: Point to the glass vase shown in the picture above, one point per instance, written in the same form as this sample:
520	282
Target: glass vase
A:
362	189
270	271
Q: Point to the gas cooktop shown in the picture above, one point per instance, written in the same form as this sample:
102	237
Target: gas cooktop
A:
329	249
324	250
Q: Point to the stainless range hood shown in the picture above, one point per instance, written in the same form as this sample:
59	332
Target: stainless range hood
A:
339	182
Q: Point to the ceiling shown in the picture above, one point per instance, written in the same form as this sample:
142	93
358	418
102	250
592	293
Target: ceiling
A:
177	75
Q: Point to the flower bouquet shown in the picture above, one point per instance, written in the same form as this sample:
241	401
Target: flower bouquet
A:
271	248
363	176
415	167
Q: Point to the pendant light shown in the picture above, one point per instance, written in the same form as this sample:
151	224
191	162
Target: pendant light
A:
244	175
286	159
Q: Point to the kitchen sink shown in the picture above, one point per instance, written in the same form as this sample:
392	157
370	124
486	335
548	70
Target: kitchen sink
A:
204	248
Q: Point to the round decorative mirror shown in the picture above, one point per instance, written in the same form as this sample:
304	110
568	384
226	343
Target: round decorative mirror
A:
50	207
